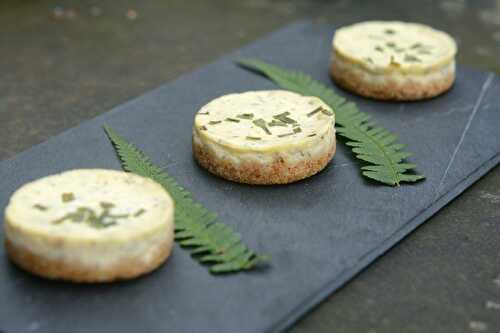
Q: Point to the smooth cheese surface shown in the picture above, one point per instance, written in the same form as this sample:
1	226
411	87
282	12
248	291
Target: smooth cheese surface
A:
137	207
395	46
264	121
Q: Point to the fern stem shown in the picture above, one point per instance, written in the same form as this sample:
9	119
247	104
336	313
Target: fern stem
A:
197	229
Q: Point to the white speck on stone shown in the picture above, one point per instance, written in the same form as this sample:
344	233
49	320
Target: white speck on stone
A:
454	8
478	326
490	16
496	36
493	198
95	11
483	51
497	281
490	305
132	14
34	326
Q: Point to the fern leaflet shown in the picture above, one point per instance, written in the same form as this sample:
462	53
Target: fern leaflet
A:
370	143
196	228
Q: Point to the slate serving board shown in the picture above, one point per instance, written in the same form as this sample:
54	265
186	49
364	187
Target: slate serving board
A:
319	232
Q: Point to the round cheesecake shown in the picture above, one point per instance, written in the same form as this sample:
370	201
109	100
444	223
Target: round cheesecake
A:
89	226
393	60
264	137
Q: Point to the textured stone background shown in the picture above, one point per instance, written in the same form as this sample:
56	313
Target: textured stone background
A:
62	62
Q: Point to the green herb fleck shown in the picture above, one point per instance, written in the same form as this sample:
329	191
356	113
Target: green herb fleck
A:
232	120
328	113
412	58
297	130
393	62
416	46
423	51
399	50
203	113
375	37
390	31
203	128
286	134
245	116
379	48
390	44
106	205
284	118
277	123
313	112
67	197
91	218
139	212
311	135
40	207
262	124
253	138
368	59
214	122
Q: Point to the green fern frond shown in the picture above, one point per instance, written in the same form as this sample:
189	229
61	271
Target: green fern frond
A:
196	228
370	143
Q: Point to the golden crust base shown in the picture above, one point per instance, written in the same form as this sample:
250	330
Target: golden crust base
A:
74	272
390	90
278	172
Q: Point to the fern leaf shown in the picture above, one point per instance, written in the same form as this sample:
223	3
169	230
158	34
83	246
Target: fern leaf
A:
371	143
197	228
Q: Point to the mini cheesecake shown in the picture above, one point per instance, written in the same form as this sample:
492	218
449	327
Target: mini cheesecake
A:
393	60
89	226
264	137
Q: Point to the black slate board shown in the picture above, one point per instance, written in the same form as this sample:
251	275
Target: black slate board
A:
319	232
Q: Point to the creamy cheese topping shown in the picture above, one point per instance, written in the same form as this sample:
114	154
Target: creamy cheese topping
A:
395	46
435	76
264	121
132	207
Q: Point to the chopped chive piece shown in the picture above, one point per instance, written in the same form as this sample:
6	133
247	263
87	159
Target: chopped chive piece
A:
139	212
390	31
262	124
313	112
214	122
232	120
379	49
283	117
40	207
416	46
90	217
412	58
422	51
390	44
399	50
245	116
310	135
254	138
277	123
328	113
283	135
394	62
203	128
297	130
203	113
375	37
106	205
67	197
